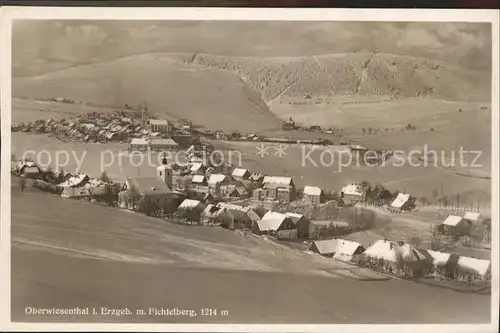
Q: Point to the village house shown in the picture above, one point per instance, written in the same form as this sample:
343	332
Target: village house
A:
240	174
216	215
236	192
403	202
183	139
313	195
151	193
454	226
301	224
199	180
139	144
190	210
160	125
352	193
259	194
74	181
397	255
272	222
242	217
215	183
158	144
280	189
340	249
28	169
75	193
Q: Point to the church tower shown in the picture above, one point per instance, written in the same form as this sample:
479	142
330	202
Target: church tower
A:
164	172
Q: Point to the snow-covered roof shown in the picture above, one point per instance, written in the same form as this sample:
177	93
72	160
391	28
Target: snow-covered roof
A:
480	266
453	220
269	225
198	179
163	142
216	178
137	141
74	180
341	246
278	180
352	189
295	217
190	204
312	190
400	200
161	122
389	251
472	216
195	167
239	172
439	258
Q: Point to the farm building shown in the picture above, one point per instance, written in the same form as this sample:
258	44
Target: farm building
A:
473	217
157	144
479	268
402	202
240	174
313	195
216	181
454	225
338	248
352	193
301	223
272	222
139	144
397	256
443	263
160	125
190	210
75	193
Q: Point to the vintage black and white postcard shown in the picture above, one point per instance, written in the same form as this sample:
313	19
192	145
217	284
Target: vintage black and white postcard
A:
193	169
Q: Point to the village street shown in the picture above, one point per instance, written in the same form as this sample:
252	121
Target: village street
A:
67	254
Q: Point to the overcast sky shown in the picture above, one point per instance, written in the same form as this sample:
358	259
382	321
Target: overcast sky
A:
41	45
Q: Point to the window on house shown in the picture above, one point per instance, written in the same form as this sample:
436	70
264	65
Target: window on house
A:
160	173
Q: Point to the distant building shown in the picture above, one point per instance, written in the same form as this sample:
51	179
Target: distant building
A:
288	125
190	210
339	248
272	222
352	194
402	202
75	193
160	125
240	174
280	189
157	144
138	144
154	192
473	217
313	195
301	223
242	217
259	194
199	180
454	225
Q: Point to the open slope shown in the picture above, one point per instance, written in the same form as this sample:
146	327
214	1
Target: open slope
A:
210	97
369	74
67	253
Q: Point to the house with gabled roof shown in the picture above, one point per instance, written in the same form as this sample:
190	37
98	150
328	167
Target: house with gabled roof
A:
454	225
